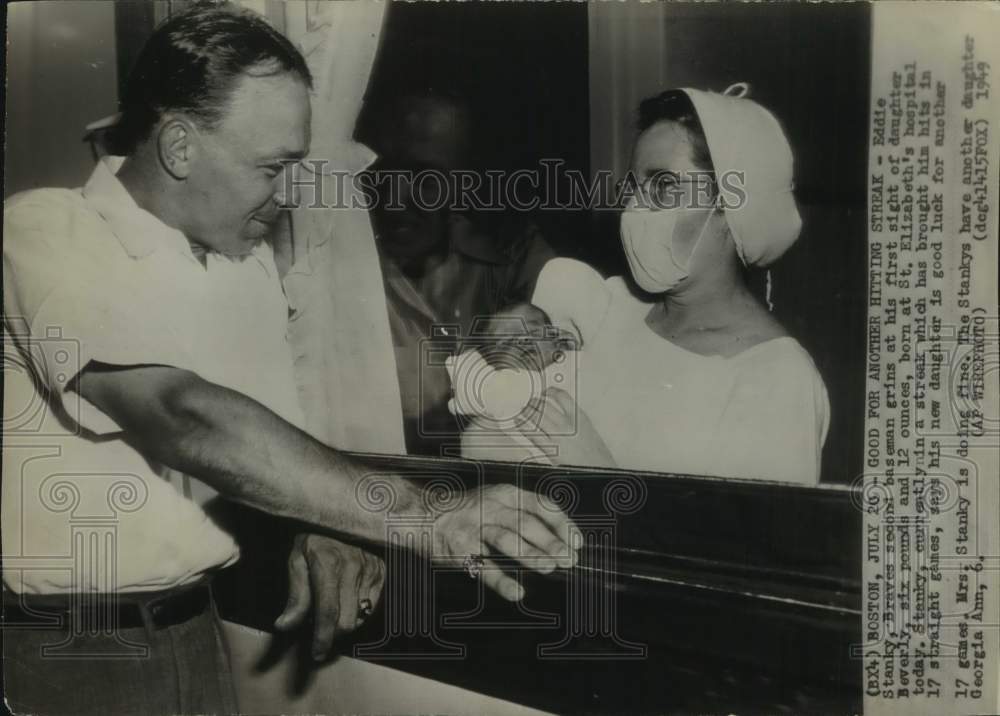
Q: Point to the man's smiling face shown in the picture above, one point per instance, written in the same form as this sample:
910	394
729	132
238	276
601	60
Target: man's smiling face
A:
238	185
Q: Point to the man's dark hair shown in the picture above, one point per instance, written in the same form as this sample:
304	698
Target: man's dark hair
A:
676	106
191	64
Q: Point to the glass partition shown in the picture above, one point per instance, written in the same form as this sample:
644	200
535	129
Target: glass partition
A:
494	162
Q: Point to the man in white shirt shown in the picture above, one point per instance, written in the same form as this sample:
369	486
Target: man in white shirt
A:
146	314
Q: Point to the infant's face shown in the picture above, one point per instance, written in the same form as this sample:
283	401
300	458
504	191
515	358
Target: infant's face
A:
526	339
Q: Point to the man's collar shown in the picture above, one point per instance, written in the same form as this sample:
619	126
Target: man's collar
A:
139	232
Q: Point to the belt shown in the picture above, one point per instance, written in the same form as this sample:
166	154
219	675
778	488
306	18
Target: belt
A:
128	610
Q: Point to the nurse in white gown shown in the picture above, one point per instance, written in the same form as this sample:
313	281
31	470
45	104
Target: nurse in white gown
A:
695	376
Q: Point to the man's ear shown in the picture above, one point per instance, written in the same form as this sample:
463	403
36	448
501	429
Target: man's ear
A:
176	144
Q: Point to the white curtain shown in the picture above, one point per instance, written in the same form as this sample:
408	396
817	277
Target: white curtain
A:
339	332
345	363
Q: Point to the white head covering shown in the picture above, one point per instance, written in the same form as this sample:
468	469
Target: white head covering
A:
744	137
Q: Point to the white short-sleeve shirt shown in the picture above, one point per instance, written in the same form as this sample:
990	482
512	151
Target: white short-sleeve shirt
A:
90	276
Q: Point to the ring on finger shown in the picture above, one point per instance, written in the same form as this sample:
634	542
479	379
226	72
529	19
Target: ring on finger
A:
473	565
365	608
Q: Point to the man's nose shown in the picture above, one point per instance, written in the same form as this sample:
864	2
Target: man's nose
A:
287	194
286	197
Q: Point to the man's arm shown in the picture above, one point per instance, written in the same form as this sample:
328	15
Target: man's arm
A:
235	445
251	455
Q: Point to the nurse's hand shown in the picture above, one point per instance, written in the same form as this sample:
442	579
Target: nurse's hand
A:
566	434
338	582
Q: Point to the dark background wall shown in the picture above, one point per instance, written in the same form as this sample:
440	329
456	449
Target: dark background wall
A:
523	68
61	76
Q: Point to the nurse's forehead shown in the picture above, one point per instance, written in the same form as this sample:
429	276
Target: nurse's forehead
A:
664	145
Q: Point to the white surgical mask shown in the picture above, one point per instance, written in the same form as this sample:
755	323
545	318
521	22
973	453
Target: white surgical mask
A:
648	239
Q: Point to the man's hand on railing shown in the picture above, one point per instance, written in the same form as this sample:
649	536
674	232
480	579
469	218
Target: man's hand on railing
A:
508	522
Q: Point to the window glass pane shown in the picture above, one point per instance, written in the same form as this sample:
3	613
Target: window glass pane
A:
492	163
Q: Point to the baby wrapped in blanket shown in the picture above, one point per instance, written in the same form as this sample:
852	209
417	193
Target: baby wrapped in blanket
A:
502	385
528	366
636	400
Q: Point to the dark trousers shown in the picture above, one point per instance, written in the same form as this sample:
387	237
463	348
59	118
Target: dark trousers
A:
178	668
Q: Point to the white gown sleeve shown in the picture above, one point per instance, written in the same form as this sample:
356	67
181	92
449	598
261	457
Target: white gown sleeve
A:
574	296
775	423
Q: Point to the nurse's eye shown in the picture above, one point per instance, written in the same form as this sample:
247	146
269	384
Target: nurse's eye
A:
665	189
668	190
